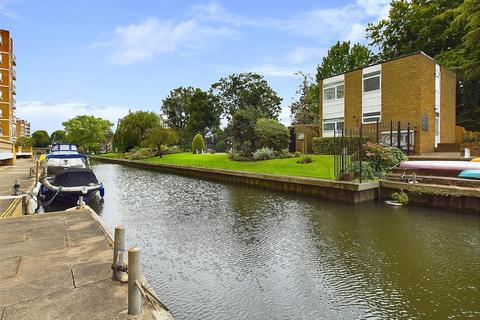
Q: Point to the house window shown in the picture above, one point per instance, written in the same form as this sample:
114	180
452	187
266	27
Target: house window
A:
332	124
334	91
371	117
371	81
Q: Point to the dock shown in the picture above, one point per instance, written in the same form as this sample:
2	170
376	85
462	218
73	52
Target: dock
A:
58	266
21	172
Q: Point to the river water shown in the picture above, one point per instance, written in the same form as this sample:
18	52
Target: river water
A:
223	251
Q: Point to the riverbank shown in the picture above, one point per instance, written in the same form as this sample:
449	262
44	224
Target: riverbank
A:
345	191
321	167
58	265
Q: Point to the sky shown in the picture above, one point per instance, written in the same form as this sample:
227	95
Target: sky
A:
107	57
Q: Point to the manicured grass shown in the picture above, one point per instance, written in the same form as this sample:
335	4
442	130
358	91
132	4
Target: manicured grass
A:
321	167
113	155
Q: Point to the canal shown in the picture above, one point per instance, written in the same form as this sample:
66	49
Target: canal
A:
221	251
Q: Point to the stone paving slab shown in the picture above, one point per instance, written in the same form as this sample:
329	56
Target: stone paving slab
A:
8	174
58	266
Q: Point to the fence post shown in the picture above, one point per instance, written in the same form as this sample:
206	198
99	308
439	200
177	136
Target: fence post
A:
360	152
342	145
391	133
399	136
118	253
408	139
134	277
378	136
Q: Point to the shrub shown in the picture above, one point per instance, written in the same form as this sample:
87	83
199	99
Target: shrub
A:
198	145
264	153
400	197
241	152
368	171
272	134
297	154
221	146
305	160
139	153
211	151
383	159
284	154
325	145
235	155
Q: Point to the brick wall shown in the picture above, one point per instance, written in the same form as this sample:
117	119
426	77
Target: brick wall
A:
447	106
353	99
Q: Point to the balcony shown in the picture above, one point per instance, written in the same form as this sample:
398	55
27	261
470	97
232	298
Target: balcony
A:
14	59
14	74
13	88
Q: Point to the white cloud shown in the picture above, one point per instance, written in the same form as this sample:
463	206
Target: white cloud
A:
301	54
50	115
375	8
274	70
152	37
6	12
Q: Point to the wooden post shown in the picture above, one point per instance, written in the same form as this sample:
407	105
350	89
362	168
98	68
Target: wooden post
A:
134	277
118	253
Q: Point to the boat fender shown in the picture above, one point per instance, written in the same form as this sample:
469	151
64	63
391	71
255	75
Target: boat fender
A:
102	192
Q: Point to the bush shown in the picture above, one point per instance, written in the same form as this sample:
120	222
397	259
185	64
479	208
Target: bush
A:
139	153
383	159
211	151
235	155
264	153
198	145
297	154
305	160
325	145
368	171
221	146
400	197
272	134
283	154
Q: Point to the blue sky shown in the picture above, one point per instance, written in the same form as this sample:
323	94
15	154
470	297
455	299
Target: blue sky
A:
106	57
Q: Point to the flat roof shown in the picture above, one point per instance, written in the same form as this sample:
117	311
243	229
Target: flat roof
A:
388	60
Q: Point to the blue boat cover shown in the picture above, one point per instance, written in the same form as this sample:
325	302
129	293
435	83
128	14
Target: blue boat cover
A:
65	156
471	174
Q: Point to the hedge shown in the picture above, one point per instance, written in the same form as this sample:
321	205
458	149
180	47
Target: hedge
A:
325	145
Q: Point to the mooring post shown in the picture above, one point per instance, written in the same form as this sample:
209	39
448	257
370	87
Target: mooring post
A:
118	265
134	279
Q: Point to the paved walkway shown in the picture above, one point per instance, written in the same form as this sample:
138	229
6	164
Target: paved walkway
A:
8	174
57	266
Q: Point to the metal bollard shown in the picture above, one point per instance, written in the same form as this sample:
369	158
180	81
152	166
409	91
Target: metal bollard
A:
118	265
134	279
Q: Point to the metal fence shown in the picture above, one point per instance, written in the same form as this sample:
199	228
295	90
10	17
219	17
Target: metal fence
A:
348	144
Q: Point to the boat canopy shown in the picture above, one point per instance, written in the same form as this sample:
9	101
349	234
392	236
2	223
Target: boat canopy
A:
65	156
64	148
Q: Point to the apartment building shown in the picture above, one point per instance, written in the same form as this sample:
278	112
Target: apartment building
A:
7	87
412	89
23	128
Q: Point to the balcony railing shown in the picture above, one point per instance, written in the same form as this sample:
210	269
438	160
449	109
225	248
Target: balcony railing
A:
14	59
13	88
14	74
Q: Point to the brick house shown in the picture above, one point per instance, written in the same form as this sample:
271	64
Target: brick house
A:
412	89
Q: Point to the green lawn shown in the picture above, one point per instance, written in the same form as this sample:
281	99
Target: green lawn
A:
321	167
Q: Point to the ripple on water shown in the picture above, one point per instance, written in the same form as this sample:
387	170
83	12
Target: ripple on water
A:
221	251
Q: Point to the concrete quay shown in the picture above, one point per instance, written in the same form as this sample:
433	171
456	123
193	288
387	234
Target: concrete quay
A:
8	174
58	266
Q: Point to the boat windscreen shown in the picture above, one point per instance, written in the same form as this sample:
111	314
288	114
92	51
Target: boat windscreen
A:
80	163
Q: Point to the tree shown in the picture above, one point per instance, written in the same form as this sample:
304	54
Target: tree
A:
132	128
88	132
444	29
198	145
342	57
203	114
246	90
58	136
40	138
174	107
305	110
271	134
159	138
242	131
24	142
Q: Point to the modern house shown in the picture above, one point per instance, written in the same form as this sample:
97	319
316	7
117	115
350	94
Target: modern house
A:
412	89
7	88
23	128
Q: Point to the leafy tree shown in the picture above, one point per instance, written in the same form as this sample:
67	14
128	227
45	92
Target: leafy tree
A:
242	130
342	57
246	90
24	142
132	128
58	136
159	138
203	113
40	138
198	144
175	107
305	110
271	134
88	132
447	30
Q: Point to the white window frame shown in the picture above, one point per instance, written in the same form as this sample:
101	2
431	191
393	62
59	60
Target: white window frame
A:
335	87
366	117
335	122
371	75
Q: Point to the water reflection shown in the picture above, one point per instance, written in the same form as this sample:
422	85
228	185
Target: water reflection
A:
218	251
